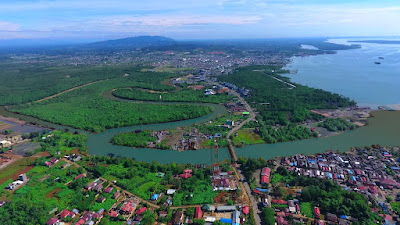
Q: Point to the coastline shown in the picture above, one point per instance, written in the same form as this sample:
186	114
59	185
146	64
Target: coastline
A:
394	106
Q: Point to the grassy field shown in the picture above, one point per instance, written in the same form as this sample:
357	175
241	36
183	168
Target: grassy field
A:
107	204
396	207
87	109
14	169
141	184
248	137
306	209
276	178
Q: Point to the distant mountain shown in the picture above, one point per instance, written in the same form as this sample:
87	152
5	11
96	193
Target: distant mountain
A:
134	42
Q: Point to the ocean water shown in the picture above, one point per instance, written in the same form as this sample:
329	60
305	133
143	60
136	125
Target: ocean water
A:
353	73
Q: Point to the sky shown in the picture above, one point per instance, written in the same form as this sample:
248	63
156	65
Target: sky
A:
197	19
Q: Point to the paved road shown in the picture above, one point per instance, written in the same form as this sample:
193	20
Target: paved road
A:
251	117
244	185
256	210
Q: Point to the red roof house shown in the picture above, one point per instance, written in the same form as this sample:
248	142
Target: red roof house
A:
80	176
246	210
127	207
317	212
199	213
185	175
141	210
108	189
264	179
113	213
64	213
80	222
52	221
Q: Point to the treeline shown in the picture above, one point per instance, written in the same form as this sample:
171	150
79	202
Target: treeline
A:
85	108
337	124
291	132
281	104
185	95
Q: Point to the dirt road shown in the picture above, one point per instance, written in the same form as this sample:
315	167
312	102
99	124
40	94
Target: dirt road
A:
69	90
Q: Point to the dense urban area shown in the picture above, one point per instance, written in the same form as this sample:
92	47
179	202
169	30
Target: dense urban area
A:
47	175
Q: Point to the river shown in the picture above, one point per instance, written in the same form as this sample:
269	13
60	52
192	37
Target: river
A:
371	85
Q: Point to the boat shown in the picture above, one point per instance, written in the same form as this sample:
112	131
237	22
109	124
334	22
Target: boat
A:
377	63
381	57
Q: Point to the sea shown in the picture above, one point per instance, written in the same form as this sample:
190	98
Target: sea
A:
354	73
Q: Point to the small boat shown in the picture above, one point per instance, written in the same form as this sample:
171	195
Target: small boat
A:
381	57
377	63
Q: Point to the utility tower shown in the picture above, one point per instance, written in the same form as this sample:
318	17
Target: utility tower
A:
215	159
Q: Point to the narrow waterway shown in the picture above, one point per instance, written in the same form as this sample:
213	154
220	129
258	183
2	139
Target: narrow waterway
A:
383	129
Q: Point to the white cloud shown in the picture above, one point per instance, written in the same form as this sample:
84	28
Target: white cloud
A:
7	26
169	21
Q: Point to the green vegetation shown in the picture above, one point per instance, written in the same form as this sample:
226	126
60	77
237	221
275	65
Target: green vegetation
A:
12	169
134	139
249	166
185	95
107	204
395	207
141	179
6	132
246	136
276	178
31	203
306	209
86	108
63	142
330	197
210	143
337	124
268	216
195	190
41	80
287	105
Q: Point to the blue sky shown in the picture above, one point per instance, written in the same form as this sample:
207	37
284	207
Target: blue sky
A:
197	19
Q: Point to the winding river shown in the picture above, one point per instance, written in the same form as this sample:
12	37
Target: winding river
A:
383	129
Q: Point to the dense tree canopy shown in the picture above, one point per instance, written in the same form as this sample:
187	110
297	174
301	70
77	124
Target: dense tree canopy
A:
281	104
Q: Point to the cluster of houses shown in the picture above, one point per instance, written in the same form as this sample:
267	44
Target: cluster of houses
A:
228	214
22	179
96	185
127	207
235	107
73	157
234	215
87	218
224	181
373	172
366	172
51	162
242	91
